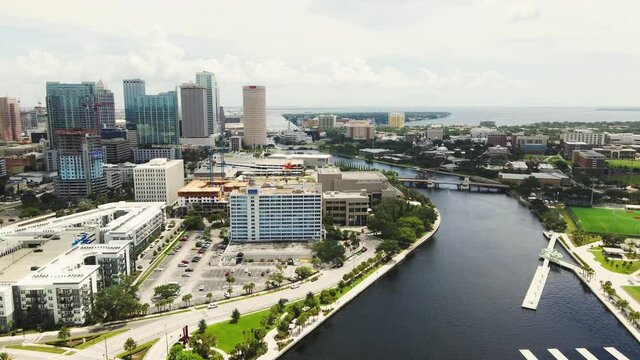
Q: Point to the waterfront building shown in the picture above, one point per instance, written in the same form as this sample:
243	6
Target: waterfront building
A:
360	130
308	160
584	135
74	136
208	81
132	89
254	115
326	122
194	108
435	132
158	123
374	183
497	138
396	120
158	180
532	144
106	106
261	214
116	150
10	119
552	178
346	208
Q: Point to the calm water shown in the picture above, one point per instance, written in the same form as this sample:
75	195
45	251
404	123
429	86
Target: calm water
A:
473	115
459	296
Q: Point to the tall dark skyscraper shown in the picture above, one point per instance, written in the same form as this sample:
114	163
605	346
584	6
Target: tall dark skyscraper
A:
74	134
132	89
157	117
106	106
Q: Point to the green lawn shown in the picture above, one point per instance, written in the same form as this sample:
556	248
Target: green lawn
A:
623	163
607	221
229	335
100	338
634	291
611	265
37	348
139	352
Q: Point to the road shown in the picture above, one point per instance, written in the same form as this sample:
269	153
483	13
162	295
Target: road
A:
168	328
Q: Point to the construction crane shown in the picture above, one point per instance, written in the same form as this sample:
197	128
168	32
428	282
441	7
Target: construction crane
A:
220	148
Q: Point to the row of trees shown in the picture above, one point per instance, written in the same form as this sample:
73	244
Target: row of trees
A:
397	220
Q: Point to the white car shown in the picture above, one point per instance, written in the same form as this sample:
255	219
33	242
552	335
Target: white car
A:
294	286
212	306
159	269
201	288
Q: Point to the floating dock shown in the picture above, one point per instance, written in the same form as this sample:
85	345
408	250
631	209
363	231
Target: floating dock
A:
532	298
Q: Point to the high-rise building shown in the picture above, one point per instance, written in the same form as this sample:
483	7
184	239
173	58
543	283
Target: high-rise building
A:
396	120
221	120
74	136
158	180
254	116
271	214
326	122
157	117
208	80
106	107
586	135
193	99
10	119
360	130
132	89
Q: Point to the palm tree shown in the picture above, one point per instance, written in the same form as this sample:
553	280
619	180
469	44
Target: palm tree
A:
622	304
5	356
248	288
129	346
209	296
187	299
230	280
1	222
64	333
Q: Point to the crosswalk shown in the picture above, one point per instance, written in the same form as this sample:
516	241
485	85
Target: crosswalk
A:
586	354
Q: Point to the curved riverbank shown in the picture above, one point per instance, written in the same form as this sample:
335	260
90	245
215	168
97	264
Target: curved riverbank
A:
274	353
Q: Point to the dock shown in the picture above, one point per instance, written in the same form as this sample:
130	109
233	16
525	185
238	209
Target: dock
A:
532	298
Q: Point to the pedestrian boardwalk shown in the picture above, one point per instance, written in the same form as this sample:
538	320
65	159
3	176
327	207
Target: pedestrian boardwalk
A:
532	298
558	355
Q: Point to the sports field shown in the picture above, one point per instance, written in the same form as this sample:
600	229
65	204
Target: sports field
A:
622	163
607	221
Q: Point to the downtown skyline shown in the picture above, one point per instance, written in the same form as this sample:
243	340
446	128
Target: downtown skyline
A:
429	53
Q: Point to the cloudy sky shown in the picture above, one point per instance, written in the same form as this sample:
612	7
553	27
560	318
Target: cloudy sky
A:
334	52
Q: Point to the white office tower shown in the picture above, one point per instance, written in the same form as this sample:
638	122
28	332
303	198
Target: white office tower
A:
158	180
254	108
208	80
272	214
193	100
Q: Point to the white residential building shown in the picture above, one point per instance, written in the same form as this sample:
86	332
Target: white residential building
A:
275	214
584	135
158	180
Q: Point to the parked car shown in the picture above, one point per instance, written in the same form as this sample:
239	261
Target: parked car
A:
201	288
182	265
159	269
294	286
186	275
212	306
188	270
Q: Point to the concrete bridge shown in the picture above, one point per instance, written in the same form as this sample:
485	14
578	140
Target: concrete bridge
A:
464	185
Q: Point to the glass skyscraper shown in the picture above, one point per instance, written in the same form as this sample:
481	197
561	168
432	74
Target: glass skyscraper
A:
74	134
208	80
132	89
157	117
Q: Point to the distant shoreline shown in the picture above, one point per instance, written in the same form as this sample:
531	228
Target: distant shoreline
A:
619	109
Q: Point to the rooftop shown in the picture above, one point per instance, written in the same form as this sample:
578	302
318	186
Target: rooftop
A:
590	154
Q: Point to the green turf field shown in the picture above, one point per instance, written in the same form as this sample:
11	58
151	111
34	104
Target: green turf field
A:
607	221
620	163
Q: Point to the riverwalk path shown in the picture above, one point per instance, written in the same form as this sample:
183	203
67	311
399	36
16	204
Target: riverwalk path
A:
274	353
602	275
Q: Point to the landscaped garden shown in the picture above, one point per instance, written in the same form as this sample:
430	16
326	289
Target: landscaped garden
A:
618	266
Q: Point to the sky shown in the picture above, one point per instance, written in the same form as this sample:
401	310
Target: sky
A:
328	53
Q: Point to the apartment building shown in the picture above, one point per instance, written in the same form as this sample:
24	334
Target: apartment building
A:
158	180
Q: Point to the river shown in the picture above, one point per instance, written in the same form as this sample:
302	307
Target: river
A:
459	295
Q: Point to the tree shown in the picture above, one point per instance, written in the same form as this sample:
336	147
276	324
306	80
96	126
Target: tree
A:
303	272
129	346
622	304
202	325
194	222
389	247
277	278
188	355
209	297
64	333
248	288
6	356
1	221
329	251
187	299
202	343
230	280
235	316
